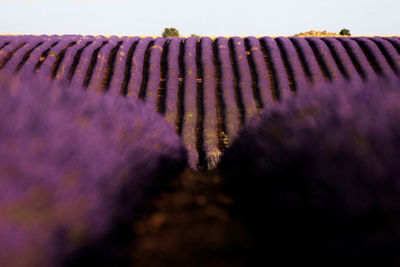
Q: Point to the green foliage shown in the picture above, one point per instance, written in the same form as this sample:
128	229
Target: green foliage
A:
195	35
170	32
345	32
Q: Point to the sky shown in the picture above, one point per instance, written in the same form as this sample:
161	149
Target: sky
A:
202	17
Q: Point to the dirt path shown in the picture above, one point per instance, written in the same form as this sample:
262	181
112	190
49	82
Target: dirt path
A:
189	225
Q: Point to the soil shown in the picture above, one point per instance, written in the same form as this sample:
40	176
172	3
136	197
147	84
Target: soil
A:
189	224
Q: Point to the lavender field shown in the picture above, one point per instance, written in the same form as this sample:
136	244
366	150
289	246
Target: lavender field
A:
207	89
289	139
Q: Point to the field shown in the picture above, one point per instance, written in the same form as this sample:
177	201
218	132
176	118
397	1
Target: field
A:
210	94
207	89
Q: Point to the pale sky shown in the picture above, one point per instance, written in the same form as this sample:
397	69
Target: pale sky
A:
203	17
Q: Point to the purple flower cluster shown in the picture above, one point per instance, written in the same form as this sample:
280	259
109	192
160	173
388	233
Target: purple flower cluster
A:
316	178
73	165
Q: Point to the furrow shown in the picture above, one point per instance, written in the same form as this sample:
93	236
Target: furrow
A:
395	41
210	119
253	75
135	79
200	107
390	53
60	58
221	130
44	56
244	79
165	71
92	65
306	53
173	81
189	102
325	59
375	57
21	56
181	89
358	58
144	63
294	63
151	89
71	60
231	110
36	56
123	65
49	63
102	69
8	54
236	85
259	73
273	58
342	58
266	82
289	72
81	70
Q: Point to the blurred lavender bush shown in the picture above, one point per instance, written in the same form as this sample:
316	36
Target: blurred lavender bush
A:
73	166
317	178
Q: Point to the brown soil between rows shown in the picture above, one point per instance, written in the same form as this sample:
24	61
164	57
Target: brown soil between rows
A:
189	224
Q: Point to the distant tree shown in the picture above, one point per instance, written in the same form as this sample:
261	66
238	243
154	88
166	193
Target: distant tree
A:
170	32
195	35
345	32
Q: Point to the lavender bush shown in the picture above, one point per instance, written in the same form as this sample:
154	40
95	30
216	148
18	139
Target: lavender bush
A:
317	177
73	166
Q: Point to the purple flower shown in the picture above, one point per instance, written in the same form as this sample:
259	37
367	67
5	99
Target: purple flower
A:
316	177
73	166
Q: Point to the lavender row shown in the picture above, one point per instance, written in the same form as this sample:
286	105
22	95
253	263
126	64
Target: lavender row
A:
232	122
359	59
173	81
375	57
73	168
189	122
19	58
272	55
151	89
312	67
137	64
317	167
244	79
100	71
84	69
236	77
329	66
123	61
343	59
9	50
390	53
300	80
262	76
210	120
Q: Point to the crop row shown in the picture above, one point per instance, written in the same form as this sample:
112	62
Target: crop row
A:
207	89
